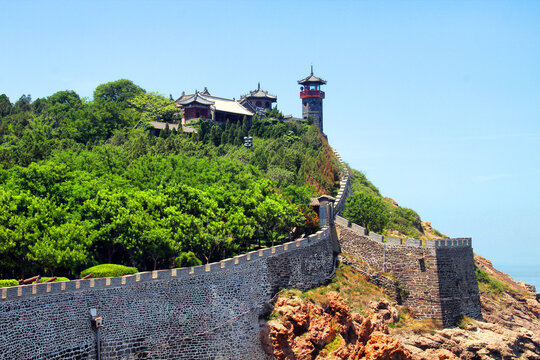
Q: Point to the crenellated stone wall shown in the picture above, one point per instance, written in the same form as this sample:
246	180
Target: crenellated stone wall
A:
203	312
437	276
344	187
212	311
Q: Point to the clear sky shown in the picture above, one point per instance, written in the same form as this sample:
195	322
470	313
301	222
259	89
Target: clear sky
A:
438	102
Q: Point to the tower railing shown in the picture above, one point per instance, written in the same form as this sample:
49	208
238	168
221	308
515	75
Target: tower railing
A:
311	93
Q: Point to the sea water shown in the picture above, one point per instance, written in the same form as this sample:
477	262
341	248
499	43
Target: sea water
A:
528	273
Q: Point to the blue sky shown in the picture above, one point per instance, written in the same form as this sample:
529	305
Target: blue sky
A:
436	101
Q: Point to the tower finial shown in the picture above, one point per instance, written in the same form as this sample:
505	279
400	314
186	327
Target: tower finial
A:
311	69
259	86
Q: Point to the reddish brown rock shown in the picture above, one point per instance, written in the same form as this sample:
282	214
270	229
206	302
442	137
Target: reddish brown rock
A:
305	330
381	346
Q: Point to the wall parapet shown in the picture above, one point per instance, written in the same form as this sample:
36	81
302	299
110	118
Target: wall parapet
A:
409	242
344	186
25	291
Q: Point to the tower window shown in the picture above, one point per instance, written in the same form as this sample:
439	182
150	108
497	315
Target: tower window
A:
258	104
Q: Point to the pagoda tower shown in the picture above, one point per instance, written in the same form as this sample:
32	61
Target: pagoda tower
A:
312	98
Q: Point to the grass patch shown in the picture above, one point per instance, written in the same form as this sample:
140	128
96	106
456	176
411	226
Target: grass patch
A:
408	322
332	346
351	286
488	284
464	322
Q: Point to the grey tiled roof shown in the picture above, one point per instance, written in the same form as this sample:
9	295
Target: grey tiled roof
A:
194	98
261	94
311	79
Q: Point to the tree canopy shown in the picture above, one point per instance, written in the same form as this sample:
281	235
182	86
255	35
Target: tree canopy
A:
367	210
82	184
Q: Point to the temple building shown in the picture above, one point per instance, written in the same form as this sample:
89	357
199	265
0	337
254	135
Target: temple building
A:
258	101
205	106
312	98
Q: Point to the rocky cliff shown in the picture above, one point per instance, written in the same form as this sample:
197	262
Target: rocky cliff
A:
352	319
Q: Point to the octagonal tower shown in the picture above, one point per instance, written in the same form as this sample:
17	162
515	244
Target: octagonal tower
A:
312	98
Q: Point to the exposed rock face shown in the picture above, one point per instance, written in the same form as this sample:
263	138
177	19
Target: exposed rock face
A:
308	331
511	329
479	341
513	310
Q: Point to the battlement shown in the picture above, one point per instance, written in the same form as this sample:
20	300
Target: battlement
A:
409	242
438	275
24	291
344	187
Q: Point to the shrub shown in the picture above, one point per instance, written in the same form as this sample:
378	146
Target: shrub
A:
109	270
43	279
464	322
187	259
367	210
8	282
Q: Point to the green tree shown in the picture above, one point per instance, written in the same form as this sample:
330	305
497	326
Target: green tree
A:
119	91
5	105
155	107
367	210
23	104
63	246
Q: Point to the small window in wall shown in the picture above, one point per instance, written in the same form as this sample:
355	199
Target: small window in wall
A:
422	263
197	114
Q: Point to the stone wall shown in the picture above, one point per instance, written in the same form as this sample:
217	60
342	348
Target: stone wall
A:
203	312
437	275
344	187
389	284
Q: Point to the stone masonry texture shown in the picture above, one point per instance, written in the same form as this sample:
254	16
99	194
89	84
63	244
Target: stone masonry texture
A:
439	282
212	313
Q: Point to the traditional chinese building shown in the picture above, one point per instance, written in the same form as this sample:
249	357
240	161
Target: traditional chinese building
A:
312	98
205	106
258	101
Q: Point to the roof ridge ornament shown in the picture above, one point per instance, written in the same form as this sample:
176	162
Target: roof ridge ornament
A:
311	69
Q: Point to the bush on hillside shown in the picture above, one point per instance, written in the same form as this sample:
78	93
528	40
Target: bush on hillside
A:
187	259
43	279
360	183
109	270
368	211
8	282
487	283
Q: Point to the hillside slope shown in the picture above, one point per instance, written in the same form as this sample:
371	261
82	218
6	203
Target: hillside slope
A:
351	318
400	221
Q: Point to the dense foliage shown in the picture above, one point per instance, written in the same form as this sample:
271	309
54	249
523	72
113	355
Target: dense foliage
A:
83	183
8	282
367	210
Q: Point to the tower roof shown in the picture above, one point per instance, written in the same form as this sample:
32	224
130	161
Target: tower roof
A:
195	98
260	94
312	79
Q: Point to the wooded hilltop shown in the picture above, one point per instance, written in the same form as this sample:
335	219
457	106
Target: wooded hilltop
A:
83	183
